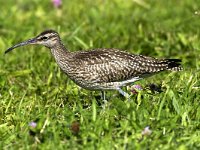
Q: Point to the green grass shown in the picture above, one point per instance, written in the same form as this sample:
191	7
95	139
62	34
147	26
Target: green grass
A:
32	87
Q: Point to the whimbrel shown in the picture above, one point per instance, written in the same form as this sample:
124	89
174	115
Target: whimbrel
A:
101	69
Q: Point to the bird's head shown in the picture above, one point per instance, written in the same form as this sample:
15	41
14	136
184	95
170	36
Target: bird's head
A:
48	38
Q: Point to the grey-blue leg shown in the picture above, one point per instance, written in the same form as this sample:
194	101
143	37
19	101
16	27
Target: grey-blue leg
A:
103	95
123	93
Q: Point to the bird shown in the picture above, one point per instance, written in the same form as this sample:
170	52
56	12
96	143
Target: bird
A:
102	68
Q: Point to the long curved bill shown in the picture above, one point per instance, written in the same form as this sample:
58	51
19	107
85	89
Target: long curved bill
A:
30	41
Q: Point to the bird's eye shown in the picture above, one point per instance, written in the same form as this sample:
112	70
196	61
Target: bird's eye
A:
44	38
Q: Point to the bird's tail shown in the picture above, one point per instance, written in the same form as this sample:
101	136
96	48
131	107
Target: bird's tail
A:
173	64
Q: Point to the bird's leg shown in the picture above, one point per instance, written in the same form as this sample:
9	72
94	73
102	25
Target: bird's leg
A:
123	93
103	96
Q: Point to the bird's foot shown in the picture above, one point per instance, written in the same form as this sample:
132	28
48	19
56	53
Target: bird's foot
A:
105	104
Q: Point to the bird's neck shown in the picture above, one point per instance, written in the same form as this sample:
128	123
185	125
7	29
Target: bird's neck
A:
61	55
59	51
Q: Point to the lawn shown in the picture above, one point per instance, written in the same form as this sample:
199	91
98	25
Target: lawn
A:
40	108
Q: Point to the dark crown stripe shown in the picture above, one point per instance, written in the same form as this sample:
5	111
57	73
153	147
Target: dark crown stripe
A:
48	32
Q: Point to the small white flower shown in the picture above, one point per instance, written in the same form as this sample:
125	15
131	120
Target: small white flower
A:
146	131
33	124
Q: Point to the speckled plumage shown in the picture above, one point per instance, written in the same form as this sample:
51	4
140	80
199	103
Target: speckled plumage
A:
101	69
